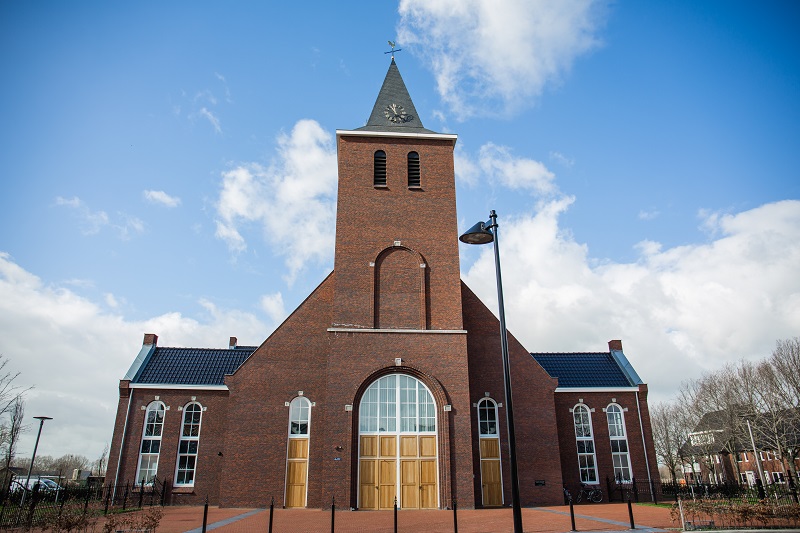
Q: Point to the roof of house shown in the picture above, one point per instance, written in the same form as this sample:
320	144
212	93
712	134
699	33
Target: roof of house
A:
190	366
394	111
589	369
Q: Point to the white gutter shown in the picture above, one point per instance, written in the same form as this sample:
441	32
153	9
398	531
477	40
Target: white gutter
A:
122	443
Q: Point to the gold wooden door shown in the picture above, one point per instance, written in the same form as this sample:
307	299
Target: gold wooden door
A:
491	480
296	473
418	472
377	472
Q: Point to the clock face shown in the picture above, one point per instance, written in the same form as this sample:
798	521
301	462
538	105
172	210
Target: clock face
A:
395	113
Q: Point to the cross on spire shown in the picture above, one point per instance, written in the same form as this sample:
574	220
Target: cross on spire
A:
392	51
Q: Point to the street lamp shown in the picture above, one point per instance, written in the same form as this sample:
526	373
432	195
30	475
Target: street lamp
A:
41	420
484	233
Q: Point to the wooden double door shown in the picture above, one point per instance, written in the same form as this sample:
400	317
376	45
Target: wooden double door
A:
398	466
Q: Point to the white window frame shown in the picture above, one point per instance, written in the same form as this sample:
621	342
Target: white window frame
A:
152	432
581	441
381	408
297	406
491	406
621	460
191	444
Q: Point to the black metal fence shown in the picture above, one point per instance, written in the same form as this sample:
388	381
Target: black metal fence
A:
657	491
37	507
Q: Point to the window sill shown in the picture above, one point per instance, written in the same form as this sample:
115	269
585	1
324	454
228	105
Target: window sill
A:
183	490
381	186
415	187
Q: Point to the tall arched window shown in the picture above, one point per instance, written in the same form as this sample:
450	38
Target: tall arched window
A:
413	170
151	443
587	461
379	169
297	452
619	442
187	447
487	418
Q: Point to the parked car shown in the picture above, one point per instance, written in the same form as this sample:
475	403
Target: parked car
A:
46	485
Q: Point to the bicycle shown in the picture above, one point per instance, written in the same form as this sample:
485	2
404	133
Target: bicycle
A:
590	493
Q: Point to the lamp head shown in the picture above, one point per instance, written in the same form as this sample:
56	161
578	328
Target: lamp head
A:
477	234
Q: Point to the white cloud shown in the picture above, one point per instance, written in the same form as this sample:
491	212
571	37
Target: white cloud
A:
562	159
93	222
498	165
648	214
678	311
272	305
492	56
88	350
292	200
160	197
211	117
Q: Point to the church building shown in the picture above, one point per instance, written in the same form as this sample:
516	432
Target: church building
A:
386	383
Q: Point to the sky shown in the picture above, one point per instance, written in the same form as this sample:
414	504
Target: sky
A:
170	168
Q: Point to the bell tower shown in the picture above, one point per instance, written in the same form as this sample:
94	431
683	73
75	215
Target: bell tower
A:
396	258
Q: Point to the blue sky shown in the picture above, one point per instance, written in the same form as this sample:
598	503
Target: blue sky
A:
169	168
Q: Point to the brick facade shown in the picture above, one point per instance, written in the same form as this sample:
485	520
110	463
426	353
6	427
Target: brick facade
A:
394	304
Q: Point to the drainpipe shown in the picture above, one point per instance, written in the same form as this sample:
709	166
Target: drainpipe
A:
644	444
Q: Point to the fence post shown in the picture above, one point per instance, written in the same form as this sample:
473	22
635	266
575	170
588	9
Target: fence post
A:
271	508
630	513
141	494
395	514
572	514
108	497
653	490
125	496
610	490
455	516
635	491
205	514
333	512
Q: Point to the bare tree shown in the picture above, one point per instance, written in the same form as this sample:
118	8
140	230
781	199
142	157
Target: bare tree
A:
669	433
784	378
99	465
9	436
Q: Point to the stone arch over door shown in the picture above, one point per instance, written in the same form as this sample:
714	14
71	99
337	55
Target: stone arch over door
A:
400	289
411	464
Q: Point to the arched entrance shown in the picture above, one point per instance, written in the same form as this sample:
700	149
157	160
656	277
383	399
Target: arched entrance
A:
397	453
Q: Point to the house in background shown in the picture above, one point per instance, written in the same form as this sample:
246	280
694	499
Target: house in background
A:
386	383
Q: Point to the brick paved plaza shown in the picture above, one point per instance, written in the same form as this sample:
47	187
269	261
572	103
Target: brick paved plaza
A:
601	517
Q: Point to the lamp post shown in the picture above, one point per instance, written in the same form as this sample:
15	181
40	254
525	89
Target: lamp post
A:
41	420
484	233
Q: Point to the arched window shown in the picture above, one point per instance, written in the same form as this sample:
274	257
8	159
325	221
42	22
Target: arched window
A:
379	169
619	443
151	443
299	417
587	461
487	418
413	170
187	447
379	406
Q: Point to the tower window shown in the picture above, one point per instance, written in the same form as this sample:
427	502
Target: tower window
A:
379	169
413	169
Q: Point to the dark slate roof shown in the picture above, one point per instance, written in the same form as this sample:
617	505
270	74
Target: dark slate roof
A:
394	93
192	366
584	369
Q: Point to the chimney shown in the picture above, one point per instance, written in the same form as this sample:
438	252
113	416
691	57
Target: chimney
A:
615	345
150	339
232	343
